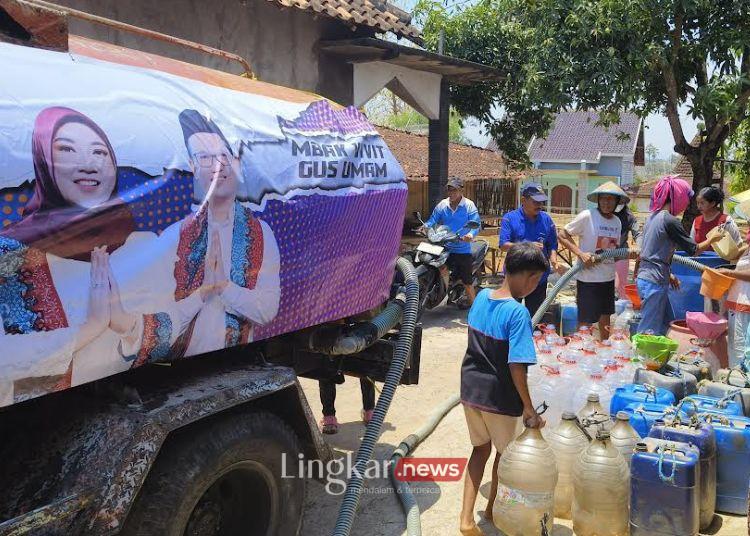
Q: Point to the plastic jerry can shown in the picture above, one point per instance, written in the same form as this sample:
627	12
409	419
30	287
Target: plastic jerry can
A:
600	490
711	404
733	462
681	383
730	382
568	442
527	476
664	479
693	363
643	416
623	436
633	392
702	436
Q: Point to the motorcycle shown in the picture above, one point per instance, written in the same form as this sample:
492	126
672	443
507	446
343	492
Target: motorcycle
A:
429	256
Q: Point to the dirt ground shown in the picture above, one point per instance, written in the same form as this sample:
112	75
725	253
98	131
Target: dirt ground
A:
380	514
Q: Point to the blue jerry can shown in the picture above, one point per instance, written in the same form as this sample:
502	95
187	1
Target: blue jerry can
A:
733	462
711	404
664	484
701	435
643	415
633	392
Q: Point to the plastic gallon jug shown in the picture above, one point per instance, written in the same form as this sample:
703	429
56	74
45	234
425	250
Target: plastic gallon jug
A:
594	384
681	383
593	416
527	477
548	389
733	462
568	442
600	490
628	394
735	385
664	489
643	415
702	436
711	404
693	363
623	435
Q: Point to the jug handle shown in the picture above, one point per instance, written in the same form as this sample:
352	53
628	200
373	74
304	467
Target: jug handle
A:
747	381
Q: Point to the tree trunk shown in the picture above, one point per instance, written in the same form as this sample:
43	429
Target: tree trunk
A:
702	165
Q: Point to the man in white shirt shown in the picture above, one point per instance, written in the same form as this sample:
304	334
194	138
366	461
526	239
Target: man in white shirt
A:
597	230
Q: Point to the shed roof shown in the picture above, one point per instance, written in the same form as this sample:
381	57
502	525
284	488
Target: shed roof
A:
377	14
465	161
574	136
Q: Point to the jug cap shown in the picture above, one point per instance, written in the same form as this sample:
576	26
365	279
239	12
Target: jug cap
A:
568	416
593	397
602	434
623	416
641	447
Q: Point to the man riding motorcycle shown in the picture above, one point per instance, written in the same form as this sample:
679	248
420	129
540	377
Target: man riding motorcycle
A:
456	211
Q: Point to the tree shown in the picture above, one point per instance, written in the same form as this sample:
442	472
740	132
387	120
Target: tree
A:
389	111
739	154
645	56
652	152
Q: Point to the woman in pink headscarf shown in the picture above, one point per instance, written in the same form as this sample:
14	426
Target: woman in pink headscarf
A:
662	235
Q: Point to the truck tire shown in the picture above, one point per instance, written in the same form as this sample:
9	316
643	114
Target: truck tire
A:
223	478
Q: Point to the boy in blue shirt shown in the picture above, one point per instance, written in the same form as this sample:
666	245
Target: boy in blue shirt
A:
494	391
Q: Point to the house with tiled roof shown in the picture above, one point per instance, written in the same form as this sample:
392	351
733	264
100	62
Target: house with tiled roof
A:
577	155
489	179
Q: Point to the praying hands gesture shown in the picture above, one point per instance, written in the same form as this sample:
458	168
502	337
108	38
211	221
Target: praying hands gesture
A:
215	278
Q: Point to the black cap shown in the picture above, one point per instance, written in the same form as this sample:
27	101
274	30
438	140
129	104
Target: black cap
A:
193	122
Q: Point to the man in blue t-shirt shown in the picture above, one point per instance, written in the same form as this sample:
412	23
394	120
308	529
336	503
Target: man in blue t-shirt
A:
529	223
456	211
494	389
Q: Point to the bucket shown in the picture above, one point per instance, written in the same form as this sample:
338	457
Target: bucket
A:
631	291
656	347
714	285
725	248
708	326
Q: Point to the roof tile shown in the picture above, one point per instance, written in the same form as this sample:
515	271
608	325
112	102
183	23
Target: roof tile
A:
363	12
575	137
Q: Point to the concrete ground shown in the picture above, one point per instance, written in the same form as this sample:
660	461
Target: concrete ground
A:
380	514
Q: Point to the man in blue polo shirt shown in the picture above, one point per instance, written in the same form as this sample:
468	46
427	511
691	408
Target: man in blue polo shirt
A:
530	223
456	211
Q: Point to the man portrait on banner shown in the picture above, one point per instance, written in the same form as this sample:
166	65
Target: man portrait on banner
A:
220	264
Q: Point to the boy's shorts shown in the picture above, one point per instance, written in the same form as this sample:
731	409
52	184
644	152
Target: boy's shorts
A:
595	300
485	427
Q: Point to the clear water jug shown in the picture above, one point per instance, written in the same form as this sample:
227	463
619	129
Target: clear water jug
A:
547	389
624	437
593	416
568	442
601	487
527	476
593	385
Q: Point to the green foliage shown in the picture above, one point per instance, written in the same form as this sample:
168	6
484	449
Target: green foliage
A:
652	152
740	152
645	56
412	121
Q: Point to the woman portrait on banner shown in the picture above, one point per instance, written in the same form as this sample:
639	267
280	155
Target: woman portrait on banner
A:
57	263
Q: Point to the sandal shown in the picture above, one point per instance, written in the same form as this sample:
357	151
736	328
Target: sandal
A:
329	424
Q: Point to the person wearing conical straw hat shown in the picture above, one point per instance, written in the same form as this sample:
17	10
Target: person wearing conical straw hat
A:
597	230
